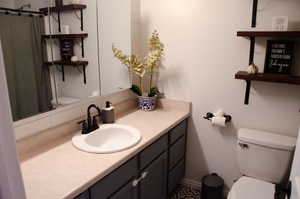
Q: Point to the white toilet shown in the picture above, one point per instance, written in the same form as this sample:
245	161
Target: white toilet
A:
263	159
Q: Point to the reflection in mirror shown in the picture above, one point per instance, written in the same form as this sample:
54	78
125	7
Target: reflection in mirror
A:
73	60
22	26
56	56
115	29
103	24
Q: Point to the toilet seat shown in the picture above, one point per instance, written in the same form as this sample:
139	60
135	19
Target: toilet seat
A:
251	188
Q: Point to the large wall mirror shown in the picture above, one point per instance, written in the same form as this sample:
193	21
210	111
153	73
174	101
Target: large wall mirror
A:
57	53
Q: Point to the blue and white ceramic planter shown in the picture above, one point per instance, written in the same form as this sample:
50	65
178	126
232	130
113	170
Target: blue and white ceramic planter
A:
147	103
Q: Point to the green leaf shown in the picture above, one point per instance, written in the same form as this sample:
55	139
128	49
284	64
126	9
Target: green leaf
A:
136	89
153	92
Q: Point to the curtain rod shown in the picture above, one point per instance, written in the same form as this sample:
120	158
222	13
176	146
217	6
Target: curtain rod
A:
21	11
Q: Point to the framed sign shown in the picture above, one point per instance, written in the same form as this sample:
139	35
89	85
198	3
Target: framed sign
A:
66	49
279	56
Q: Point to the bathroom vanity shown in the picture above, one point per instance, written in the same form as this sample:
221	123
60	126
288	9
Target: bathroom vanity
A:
151	169
152	173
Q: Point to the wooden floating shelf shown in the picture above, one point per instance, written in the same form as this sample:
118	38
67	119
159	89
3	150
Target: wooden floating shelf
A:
83	64
70	7
276	78
67	63
285	34
66	36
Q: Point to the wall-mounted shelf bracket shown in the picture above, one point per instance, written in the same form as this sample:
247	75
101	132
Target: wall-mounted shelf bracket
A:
247	93
254	13
59	21
81	19
63	72
83	71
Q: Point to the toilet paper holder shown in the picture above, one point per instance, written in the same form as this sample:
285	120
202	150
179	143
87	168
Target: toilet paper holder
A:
210	115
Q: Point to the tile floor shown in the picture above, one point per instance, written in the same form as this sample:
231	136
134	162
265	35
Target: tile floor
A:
184	192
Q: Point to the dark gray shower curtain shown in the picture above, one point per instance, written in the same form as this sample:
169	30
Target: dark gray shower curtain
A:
28	80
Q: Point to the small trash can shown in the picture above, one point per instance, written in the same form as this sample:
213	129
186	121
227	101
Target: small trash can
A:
212	187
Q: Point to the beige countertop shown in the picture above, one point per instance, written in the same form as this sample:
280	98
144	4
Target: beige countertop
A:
58	170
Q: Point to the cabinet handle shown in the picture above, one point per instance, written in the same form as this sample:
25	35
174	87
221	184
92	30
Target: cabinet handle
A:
137	181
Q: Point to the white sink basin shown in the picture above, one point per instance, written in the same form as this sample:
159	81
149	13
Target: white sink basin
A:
109	138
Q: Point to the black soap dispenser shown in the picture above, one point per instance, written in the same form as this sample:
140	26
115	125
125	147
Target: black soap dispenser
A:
108	113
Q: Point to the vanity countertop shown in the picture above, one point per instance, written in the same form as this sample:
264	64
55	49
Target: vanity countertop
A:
60	171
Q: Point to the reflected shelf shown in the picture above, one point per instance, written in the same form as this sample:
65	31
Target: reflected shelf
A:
65	36
69	7
67	63
83	64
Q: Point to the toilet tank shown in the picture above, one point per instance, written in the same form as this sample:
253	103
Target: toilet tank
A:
263	155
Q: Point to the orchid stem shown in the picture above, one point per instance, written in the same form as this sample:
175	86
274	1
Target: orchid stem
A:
141	85
151	77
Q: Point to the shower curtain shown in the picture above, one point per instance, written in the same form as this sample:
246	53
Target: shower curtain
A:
28	79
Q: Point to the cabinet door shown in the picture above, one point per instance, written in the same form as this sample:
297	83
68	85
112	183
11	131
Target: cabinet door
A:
153	151
176	152
154	184
175	176
84	195
178	131
129	191
115	180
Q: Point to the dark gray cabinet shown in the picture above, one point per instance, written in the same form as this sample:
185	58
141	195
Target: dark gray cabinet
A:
154	185
153	151
152	174
115	181
84	195
127	192
176	152
175	176
178	132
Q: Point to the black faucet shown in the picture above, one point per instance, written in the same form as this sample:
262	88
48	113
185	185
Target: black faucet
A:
91	124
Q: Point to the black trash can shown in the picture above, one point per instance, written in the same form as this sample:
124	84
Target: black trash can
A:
212	187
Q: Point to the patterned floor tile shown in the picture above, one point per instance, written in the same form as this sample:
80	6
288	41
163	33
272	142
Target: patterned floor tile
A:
184	192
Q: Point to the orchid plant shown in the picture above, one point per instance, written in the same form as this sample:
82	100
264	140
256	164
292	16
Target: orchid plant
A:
142	67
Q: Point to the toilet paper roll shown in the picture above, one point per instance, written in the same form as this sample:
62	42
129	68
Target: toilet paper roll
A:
95	94
219	113
219	121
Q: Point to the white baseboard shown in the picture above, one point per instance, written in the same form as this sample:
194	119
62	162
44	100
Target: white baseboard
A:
191	183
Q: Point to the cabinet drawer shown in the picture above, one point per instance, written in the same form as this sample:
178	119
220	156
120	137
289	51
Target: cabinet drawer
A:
127	192
178	131
175	176
84	195
176	152
114	181
151	152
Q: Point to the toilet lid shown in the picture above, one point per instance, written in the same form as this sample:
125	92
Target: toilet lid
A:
250	188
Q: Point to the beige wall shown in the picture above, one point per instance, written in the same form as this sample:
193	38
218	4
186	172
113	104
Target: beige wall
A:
7	4
202	56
